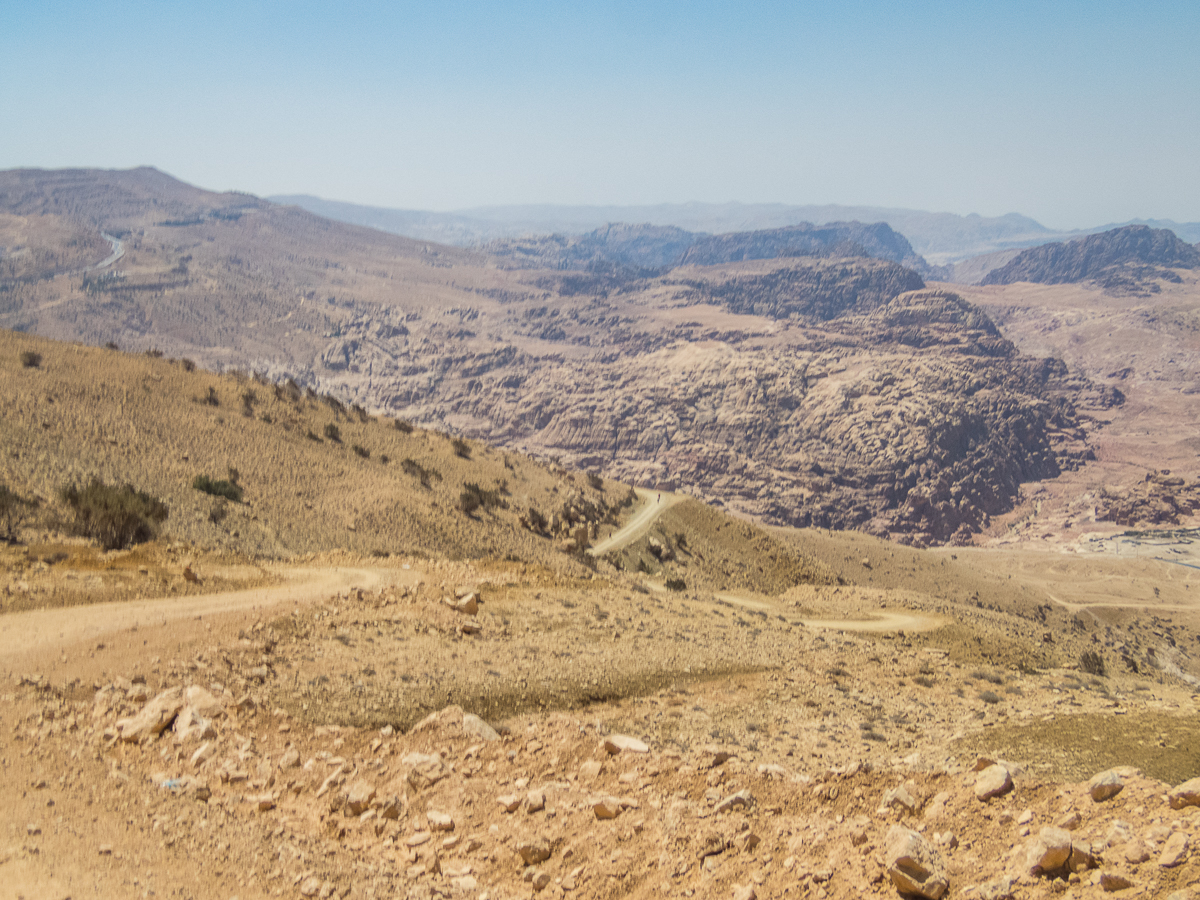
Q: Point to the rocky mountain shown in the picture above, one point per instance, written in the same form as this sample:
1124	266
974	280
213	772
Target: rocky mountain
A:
646	247
800	389
1118	258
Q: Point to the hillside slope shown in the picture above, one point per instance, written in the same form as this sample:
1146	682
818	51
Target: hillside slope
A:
801	389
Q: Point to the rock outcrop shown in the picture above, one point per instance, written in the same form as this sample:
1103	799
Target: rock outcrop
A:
1115	258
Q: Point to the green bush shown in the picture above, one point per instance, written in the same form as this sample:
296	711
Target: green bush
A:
116	517
218	487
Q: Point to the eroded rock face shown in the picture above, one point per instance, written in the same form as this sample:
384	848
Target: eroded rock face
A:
821	394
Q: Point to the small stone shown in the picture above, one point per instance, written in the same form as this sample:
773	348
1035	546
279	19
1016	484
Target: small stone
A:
310	887
622	743
535	801
741	799
358	797
534	851
1114	881
1081	858
439	821
264	802
1118	833
290	759
540	880
1186	794
900	798
391	807
590	770
1069	822
993	781
607	808
509	802
913	865
744	892
156	716
1136	852
419	838
1048	852
1000	889
1174	850
1105	786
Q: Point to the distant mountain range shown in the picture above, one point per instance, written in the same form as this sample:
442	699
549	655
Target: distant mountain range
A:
941	238
653	249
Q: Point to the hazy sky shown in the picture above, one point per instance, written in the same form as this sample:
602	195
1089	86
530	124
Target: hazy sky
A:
1076	113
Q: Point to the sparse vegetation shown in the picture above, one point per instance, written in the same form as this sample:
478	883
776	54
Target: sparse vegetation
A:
361	451
595	481
403	427
13	512
473	497
116	517
1093	663
227	488
461	448
218	511
676	584
333	433
188	365
312	436
989	697
211	397
419	472
249	398
31	359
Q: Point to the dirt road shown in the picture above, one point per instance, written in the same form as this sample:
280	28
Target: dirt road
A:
656	503
28	637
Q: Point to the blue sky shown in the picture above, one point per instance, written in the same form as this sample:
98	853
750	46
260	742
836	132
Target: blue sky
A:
1074	113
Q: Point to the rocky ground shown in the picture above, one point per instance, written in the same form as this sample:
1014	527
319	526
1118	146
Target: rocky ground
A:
801	744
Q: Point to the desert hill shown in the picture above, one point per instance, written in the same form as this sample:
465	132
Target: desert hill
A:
1118	258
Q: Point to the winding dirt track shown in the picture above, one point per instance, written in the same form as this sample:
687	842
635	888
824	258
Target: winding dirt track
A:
25	633
879	620
657	503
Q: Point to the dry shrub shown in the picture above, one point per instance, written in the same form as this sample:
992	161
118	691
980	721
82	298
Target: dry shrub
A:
116	517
